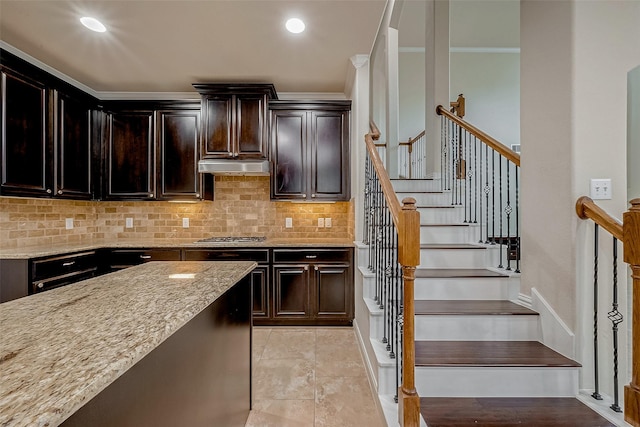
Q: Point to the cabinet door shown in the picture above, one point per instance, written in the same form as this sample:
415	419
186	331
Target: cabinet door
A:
291	291
289	134
333	292
217	119
130	156
250	127
178	176
27	162
329	145
260	285
73	149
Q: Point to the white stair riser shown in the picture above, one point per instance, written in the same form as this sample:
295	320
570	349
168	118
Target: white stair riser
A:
477	327
416	185
441	215
496	381
476	288
453	258
449	234
426	199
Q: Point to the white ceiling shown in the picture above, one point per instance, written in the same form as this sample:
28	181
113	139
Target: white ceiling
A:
164	46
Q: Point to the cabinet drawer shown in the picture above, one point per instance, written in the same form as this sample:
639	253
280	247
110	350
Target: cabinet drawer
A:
311	255
257	255
62	265
123	258
62	280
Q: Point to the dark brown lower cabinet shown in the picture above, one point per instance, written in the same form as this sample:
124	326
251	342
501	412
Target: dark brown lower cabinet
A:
117	259
311	287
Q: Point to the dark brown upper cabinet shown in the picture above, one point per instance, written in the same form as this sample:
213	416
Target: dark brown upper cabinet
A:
27	145
75	131
177	154
151	151
130	155
234	120
48	135
310	150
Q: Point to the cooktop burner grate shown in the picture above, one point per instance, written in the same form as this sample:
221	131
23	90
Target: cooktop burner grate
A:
233	239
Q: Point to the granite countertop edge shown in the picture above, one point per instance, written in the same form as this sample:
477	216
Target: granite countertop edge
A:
37	251
112	341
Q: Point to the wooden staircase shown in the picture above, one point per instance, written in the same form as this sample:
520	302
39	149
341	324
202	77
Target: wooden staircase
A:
479	359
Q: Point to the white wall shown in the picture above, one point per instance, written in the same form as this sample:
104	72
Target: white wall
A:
490	83
412	94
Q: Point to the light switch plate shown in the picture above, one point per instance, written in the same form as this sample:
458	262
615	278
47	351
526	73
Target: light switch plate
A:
68	222
129	223
601	189
185	222
320	222
327	222
288	223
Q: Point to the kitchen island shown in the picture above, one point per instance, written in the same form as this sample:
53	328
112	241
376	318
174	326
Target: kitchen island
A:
163	343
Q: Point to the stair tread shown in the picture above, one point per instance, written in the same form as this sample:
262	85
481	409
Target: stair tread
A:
508	412
436	207
455	224
451	246
424	273
489	354
471	307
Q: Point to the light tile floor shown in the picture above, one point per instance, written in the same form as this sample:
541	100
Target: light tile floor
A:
310	377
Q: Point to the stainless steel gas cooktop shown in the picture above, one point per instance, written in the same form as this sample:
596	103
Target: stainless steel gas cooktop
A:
233	239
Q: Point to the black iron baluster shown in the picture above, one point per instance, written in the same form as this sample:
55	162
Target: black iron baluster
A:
500	206
517	224
616	318
475	178
493	197
596	394
507	210
468	175
487	189
479	193
462	171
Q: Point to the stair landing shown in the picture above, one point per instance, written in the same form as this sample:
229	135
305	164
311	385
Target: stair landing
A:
507	412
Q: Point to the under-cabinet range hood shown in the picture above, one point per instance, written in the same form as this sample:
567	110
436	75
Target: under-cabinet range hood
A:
234	167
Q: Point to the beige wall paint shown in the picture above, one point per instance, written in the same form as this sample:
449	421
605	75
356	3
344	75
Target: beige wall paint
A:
242	208
575	57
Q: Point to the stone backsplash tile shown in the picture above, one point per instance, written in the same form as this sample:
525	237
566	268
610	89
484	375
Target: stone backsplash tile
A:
242	207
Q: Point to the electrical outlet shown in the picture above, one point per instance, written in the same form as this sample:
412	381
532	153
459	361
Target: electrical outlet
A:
129	223
288	223
327	222
185	222
320	222
68	223
601	189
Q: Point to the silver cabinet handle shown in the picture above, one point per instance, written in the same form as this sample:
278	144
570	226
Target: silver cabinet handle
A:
67	264
315	267
306	268
197	194
311	256
40	285
304	196
150	194
145	256
313	195
48	191
59	191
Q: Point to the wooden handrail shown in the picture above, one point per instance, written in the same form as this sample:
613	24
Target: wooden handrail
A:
383	177
505	151
627	231
407	221
587	209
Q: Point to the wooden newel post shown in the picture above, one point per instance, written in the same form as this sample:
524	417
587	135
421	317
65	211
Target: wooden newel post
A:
409	258
631	233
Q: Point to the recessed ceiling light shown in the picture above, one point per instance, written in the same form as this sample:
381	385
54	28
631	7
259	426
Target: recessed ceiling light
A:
295	25
93	24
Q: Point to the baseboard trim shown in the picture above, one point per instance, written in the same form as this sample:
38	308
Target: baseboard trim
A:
373	383
525	300
554	332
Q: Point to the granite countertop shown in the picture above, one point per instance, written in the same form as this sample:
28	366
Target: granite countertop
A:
37	251
60	348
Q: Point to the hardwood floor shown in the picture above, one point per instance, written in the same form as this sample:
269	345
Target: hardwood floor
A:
471	307
507	412
488	353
